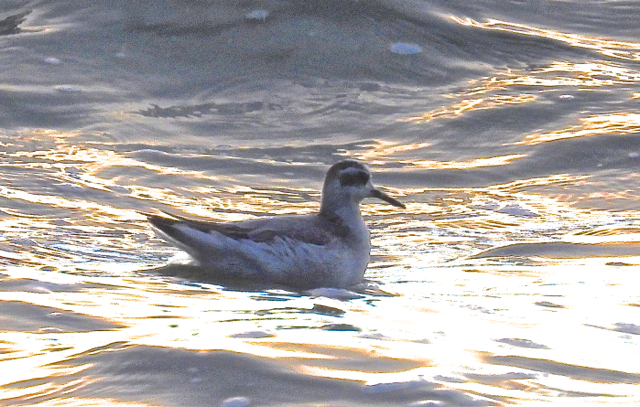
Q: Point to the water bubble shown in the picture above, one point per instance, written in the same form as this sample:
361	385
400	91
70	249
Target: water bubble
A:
23	241
405	48
427	404
257	14
517	210
67	89
50	329
253	335
382	388
52	61
236	402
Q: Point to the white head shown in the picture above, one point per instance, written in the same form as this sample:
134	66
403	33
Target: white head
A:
347	183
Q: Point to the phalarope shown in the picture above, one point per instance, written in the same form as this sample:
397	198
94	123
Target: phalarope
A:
326	249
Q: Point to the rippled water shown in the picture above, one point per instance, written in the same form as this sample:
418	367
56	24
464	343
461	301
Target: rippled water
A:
510	130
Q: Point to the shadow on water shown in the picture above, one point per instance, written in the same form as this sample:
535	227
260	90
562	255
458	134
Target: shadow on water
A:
194	274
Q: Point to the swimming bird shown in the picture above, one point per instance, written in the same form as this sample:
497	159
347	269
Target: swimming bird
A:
329	248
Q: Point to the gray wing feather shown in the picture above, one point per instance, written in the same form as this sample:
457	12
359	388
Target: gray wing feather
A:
310	229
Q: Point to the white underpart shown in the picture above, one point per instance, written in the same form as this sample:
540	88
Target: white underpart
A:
279	257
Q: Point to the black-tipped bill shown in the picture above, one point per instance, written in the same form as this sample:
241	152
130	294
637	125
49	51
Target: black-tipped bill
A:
376	193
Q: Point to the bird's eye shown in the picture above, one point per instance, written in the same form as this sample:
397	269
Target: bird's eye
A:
353	179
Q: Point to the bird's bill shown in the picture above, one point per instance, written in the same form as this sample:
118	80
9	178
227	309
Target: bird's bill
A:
376	193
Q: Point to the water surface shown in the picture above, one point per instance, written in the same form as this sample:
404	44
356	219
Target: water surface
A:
511	131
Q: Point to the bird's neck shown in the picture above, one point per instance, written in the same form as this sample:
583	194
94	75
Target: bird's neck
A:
347	220
346	212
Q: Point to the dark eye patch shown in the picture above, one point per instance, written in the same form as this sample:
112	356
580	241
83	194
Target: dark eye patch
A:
351	178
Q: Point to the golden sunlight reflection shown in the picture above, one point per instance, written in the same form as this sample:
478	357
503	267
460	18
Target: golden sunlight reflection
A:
370	378
90	402
93	160
469	105
256	200
60	202
371	359
443	317
601	73
506	189
382	148
78	167
616	49
494	302
614	123
605	235
462	165
46	134
498	213
51	389
556	75
519	185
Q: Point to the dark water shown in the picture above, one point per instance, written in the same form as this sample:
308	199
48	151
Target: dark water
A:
510	129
